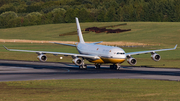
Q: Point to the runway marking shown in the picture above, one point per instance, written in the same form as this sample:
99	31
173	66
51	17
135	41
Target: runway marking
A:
66	69
21	67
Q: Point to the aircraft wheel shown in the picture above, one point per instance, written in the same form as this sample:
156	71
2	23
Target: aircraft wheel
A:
85	67
80	67
97	66
111	66
118	66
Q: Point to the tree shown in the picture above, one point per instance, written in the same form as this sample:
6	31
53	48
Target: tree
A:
34	18
71	14
58	14
101	15
83	15
110	15
21	8
9	15
7	7
35	7
6	17
177	10
47	18
120	14
16	22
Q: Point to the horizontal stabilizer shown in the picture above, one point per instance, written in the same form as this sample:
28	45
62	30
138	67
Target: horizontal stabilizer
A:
64	44
97	42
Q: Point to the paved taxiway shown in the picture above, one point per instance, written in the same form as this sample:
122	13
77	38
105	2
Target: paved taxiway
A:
24	70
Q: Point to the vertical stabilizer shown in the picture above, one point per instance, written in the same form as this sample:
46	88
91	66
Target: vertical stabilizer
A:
80	37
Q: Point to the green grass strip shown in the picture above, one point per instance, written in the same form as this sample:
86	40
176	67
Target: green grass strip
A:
90	89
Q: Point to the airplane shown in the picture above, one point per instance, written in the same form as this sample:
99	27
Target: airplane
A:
97	54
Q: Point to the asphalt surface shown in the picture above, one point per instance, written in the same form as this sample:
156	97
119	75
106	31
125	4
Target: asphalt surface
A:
25	70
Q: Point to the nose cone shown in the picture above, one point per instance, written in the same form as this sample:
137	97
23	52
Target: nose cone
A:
122	58
118	54
118	58
123	55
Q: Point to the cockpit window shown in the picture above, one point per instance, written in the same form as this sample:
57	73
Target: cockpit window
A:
120	53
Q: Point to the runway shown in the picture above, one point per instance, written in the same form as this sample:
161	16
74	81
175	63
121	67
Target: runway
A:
25	70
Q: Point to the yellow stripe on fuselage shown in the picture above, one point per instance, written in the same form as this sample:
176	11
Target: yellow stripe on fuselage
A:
108	60
97	61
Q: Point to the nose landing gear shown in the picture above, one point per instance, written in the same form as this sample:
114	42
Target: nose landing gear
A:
97	66
115	66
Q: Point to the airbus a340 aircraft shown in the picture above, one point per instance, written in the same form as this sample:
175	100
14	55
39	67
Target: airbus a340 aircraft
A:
97	54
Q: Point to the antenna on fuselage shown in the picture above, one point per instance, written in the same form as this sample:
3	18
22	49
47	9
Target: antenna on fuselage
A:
80	37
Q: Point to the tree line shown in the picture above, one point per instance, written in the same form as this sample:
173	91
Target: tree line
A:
15	13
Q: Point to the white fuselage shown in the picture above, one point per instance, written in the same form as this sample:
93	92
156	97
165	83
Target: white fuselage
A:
107	54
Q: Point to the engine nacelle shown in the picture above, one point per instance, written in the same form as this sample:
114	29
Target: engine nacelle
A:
42	57
77	61
156	57
131	61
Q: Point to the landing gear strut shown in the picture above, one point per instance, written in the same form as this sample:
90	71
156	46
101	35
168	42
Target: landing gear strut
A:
83	66
118	66
97	66
115	66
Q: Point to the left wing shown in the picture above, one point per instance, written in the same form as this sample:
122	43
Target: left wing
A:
56	53
151	51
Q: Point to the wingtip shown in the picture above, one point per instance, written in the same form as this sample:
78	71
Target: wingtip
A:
175	46
5	47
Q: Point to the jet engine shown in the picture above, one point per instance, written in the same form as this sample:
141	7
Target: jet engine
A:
42	57
131	61
77	61
156	57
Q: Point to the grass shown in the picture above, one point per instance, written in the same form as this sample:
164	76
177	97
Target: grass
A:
163	33
91	89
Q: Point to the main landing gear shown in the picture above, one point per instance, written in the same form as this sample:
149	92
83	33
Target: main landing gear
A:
115	66
97	66
83	66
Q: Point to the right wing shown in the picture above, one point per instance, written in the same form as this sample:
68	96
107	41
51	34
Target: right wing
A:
55	53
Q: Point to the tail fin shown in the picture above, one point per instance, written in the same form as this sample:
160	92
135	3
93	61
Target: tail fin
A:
80	37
